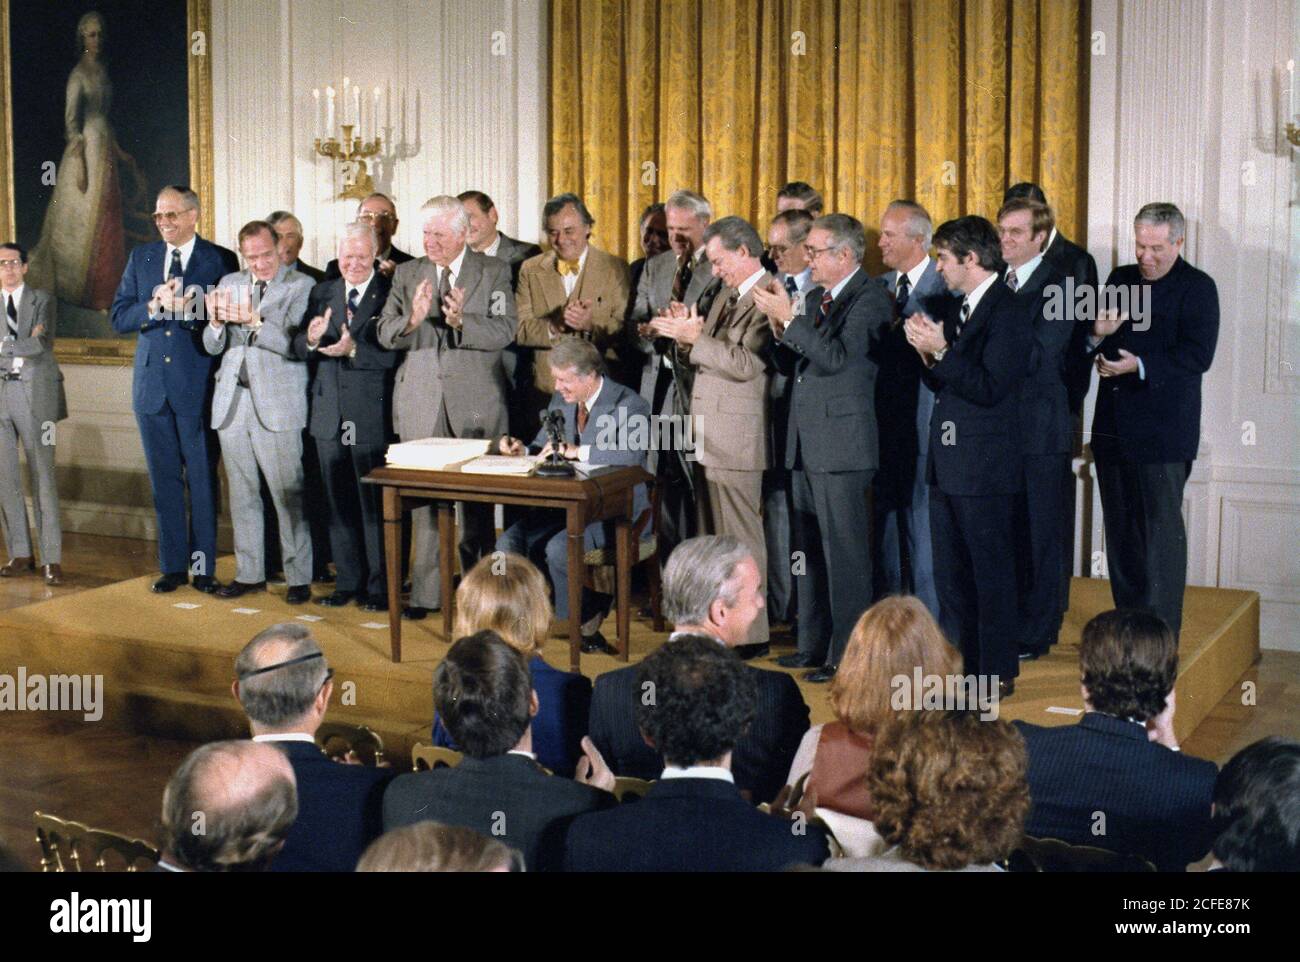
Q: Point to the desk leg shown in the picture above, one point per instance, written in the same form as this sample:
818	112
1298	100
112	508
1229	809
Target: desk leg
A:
393	561
576	527
623	575
447	563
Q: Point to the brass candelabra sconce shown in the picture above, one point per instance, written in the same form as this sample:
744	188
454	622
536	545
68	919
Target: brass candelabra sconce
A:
1293	135
351	151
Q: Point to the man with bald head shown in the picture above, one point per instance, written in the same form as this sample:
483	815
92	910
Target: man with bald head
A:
379	211
244	797
160	299
284	685
453	313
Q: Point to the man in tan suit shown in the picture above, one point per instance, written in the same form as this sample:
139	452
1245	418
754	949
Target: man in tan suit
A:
729	395
573	290
453	312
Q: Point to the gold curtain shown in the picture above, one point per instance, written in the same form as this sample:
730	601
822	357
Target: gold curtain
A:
944	101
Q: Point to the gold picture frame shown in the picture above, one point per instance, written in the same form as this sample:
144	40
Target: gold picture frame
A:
114	351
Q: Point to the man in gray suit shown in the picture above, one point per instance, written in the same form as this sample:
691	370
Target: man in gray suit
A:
453	312
903	405
259	408
829	350
671	283
31	401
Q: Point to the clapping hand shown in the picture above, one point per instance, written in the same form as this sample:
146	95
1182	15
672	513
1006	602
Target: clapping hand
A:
317	327
421	302
592	769
684	330
343	347
774	302
577	315
925	334
453	307
168	296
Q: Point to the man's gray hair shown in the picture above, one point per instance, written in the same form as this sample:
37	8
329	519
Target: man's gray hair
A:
359	228
733	233
919	224
284	694
846	232
1163	213
699	572
691	201
278	217
188	197
797	223
578	355
560	201
445	204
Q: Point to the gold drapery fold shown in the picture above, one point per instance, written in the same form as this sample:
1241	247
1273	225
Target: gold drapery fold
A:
944	101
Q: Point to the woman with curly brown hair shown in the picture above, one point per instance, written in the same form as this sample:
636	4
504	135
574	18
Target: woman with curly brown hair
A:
893	638
949	791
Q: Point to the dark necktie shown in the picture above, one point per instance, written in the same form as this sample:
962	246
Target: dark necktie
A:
961	321
1013	279
175	269
444	288
791	287
825	311
352	304
682	280
11	309
901	296
248	340
581	418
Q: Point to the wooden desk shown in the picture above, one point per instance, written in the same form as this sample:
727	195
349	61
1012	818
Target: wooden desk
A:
606	496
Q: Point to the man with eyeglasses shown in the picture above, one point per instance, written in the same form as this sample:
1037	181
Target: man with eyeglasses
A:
829	351
160	298
379	212
284	684
259	408
31	401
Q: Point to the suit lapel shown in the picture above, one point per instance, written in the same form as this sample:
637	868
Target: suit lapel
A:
552	284
25	311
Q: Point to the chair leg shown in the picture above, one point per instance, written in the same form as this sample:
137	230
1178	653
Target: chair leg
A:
656	592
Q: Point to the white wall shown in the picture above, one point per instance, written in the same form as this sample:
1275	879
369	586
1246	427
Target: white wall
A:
478	70
1187	106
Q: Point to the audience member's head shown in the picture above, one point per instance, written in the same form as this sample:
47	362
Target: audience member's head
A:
1023	228
1128	662
712	586
687	215
967	251
894	637
283	681
13	265
1025	190
567	223
229	807
445	226
483	217
654	230
379	211
697	699
505	593
432	847
798	195
289	236
733	248
1257	808
785	237
358	248
1159	230
949	789
905	232
834	248
484	694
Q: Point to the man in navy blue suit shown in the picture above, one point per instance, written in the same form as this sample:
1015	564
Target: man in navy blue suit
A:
600	427
1117	779
161	299
698	699
284	684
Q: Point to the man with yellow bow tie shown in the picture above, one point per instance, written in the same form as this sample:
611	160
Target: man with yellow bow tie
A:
572	290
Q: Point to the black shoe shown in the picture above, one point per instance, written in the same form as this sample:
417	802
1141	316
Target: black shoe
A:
596	644
1006	688
374	603
323	578
298	594
206	583
820	676
337	600
237	589
169	583
794	661
415	613
750	652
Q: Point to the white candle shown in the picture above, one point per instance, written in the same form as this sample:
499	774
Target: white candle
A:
315	113
1290	90
329	112
356	108
374	115
388	107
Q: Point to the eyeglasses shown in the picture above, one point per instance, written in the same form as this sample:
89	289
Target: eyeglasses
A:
170	216
11	263
812	252
370	216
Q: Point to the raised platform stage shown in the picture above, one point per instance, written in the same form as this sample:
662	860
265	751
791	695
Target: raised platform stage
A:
168	669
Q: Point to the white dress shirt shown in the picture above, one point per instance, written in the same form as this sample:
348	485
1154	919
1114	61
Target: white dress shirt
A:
1025	271
715	772
286	737
584	450
16	295
913	276
977	295
835	291
454	267
491	249
747	284
186	250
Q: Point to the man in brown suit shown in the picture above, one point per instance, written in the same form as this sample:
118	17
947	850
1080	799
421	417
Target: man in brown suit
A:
573	290
453	313
729	403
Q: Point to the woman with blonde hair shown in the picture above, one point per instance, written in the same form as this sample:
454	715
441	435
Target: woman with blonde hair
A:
506	593
893	638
